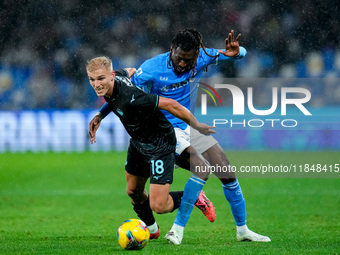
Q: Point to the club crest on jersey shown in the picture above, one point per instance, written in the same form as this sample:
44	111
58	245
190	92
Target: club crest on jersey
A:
139	71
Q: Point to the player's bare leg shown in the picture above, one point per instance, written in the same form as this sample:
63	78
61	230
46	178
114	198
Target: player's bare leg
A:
141	204
233	193
135	188
160	199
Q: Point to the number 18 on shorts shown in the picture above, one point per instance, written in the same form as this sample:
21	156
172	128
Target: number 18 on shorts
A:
162	169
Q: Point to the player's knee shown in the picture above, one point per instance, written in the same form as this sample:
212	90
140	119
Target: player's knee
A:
216	155
158	207
134	194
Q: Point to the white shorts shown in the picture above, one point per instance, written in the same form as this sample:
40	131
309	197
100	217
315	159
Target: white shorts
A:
191	136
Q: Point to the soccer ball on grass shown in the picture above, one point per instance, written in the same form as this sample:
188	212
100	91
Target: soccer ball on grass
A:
133	234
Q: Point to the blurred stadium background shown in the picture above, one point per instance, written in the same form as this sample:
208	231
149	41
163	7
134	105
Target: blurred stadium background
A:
72	203
46	101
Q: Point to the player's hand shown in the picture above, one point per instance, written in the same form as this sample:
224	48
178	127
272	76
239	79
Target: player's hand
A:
232	47
130	71
205	129
93	126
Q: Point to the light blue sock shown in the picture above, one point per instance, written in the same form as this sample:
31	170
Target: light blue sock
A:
192	190
233	193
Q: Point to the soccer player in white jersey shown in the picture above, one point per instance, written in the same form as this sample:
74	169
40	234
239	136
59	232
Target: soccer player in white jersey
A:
176	74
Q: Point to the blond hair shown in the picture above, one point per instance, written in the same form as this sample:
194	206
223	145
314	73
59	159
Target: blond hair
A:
99	62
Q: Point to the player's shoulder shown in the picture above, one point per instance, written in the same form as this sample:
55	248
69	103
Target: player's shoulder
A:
156	60
123	81
211	51
122	72
154	65
206	57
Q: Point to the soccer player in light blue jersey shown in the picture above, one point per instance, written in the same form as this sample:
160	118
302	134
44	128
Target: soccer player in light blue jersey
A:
176	75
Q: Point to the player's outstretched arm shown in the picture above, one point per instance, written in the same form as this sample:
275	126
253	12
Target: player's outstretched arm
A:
95	122
232	46
184	114
93	126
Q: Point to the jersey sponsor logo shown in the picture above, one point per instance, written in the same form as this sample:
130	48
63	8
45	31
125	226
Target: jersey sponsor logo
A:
163	78
175	86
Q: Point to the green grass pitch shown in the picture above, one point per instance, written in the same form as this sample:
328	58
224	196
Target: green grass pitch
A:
73	203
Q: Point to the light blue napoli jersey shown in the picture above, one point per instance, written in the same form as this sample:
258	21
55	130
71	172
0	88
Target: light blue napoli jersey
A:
157	76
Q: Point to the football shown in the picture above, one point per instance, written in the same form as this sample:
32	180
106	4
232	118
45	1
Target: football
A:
133	234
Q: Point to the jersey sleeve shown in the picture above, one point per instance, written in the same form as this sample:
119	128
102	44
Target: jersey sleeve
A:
104	110
222	58
140	99
205	60
142	78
